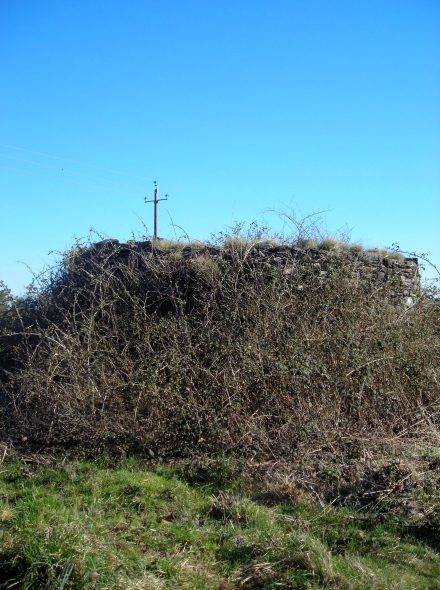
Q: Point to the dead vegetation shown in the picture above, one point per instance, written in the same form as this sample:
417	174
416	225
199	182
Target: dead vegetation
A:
259	350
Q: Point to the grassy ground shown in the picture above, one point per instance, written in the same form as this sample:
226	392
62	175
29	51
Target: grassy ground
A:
68	523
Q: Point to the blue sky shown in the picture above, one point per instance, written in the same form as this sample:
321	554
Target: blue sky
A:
234	107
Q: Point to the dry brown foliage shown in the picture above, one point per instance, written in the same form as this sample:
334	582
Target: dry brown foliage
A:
252	350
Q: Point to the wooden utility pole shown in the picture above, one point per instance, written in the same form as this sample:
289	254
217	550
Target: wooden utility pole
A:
155	201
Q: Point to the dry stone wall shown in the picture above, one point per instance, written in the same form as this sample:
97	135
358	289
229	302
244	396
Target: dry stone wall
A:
402	272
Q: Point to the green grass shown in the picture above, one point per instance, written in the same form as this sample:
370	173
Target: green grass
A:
84	524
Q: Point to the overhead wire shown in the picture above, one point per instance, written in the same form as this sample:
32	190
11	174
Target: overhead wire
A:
200	199
13	147
105	188
71	172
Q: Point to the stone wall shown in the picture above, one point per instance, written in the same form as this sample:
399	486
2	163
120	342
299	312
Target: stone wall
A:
403	272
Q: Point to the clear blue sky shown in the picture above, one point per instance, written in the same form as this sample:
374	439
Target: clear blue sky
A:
233	106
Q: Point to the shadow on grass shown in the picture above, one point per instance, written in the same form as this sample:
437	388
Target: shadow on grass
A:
21	572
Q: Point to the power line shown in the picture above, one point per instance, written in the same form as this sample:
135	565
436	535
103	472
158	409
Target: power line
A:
104	188
71	172
12	147
200	199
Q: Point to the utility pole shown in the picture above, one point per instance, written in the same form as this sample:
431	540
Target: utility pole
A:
155	201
